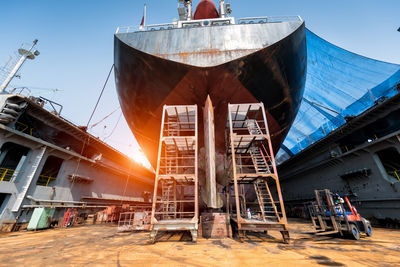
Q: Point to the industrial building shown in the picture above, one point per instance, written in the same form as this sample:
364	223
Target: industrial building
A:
46	161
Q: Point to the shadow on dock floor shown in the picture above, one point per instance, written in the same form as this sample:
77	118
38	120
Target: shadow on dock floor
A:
103	245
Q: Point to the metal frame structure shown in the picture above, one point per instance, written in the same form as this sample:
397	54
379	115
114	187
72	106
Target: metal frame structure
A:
175	199
126	221
24	54
253	169
134	220
324	214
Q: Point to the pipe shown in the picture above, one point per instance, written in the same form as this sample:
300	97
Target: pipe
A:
145	15
222	9
54	201
189	9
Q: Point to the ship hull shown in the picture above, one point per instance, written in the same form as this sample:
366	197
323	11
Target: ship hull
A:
147	80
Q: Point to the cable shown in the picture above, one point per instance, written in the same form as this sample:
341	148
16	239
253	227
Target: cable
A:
87	125
37	88
101	94
115	127
97	123
127	180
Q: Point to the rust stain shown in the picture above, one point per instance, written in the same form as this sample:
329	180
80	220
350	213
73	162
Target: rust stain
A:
206	52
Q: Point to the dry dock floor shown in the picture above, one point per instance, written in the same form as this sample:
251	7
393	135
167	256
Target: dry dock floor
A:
102	245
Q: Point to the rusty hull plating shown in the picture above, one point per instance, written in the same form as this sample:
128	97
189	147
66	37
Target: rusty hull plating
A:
239	63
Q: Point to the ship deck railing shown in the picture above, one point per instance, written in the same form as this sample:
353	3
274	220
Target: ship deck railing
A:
7	175
207	23
271	19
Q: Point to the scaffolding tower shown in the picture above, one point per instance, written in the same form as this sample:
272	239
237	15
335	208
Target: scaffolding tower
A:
175	199
253	173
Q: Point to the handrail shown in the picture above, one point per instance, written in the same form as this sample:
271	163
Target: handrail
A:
26	127
157	27
53	104
272	19
127	29
207	23
396	172
46	178
263	157
6	174
21	91
23	125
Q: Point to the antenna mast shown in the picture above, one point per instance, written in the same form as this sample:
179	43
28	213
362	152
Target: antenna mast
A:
144	18
24	55
224	9
144	14
185	9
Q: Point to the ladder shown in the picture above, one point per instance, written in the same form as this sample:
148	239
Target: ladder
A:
29	178
173	126
171	152
259	161
266	202
253	127
171	159
168	197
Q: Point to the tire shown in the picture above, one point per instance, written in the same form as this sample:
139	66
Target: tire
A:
354	232
368	229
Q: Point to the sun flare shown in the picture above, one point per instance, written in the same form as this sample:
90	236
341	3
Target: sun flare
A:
139	157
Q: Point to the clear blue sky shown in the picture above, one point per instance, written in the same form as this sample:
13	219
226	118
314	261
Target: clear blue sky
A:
76	43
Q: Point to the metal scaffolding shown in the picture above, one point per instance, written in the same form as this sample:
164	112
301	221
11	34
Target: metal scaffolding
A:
175	199
253	171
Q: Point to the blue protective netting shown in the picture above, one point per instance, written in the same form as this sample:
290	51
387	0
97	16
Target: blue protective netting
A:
339	84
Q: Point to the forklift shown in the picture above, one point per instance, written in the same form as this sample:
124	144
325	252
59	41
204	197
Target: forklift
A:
331	214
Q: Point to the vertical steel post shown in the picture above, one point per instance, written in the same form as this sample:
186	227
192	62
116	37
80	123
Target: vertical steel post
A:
222	9
234	166
144	15
276	178
196	187
153	219
209	145
189	9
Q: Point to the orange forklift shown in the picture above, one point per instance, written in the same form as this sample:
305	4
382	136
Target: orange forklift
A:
331	214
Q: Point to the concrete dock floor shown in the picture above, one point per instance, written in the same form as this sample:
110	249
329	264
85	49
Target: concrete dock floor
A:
102	245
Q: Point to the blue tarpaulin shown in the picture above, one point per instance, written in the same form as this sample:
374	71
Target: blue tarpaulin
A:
339	84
